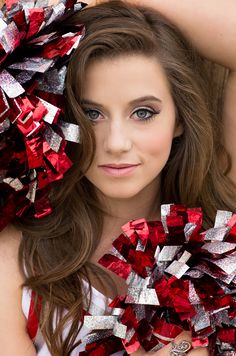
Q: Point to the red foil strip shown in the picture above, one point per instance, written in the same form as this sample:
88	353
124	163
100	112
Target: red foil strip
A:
32	145
202	300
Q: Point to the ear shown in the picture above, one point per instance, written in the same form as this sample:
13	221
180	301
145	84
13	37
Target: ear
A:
178	130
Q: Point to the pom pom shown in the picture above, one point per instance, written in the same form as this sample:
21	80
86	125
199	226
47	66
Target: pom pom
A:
179	278
34	53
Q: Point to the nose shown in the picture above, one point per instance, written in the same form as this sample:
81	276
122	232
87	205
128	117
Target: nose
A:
117	137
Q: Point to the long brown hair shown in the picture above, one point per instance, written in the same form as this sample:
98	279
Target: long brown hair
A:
55	250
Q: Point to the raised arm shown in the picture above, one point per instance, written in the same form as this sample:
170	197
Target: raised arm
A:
211	27
209	24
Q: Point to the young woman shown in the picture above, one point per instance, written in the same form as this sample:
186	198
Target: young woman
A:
151	132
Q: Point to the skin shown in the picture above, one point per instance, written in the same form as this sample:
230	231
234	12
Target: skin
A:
208	30
131	132
214	36
121	136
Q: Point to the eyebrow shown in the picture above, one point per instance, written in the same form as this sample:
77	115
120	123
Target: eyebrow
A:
135	101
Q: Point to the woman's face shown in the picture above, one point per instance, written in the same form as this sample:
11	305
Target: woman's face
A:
129	103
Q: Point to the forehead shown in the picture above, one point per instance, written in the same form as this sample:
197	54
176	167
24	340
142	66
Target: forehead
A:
125	76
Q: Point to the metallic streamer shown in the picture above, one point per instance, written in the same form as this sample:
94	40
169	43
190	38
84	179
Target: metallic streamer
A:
95	337
157	252
130	333
117	311
54	81
140	246
193	297
41	3
53	139
219	247
177	269
216	234
52	112
135	279
119	330
5	125
142	296
57	12
9	37
24	76
9	85
14	183
227	264
3	24
140	311
201	320
165	210
4	104
168	253
99	322
35	64
32	191
222	218
188	230
70	131
116	253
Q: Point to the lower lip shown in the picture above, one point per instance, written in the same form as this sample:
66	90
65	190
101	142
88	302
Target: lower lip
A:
119	172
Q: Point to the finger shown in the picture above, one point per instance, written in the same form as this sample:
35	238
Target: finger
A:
200	351
184	336
140	352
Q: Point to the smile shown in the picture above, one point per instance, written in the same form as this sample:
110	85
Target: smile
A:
119	171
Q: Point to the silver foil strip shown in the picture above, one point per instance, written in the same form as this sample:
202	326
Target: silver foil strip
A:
168	253
120	330
14	183
53	139
227	264
32	191
5	125
9	37
52	111
146	296
70	131
9	85
216	234
201	320
35	64
219	247
165	210
100	322
222	218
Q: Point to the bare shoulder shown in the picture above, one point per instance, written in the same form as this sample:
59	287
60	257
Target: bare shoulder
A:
10	239
12	319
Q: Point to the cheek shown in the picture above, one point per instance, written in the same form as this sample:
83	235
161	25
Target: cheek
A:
157	143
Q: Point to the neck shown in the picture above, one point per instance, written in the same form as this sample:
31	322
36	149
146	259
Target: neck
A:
146	204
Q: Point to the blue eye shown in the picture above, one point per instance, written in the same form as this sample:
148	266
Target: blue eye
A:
142	114
145	114
93	115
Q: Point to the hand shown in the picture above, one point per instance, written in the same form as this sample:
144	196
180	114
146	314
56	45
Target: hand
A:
165	350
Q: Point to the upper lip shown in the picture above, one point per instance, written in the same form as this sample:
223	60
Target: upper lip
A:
118	165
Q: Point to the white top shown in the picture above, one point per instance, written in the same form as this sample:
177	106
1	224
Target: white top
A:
98	305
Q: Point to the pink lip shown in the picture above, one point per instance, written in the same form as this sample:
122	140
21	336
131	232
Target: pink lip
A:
118	165
119	170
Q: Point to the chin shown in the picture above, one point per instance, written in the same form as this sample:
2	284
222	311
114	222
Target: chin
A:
120	194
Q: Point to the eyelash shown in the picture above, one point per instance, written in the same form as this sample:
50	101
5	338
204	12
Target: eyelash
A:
152	113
